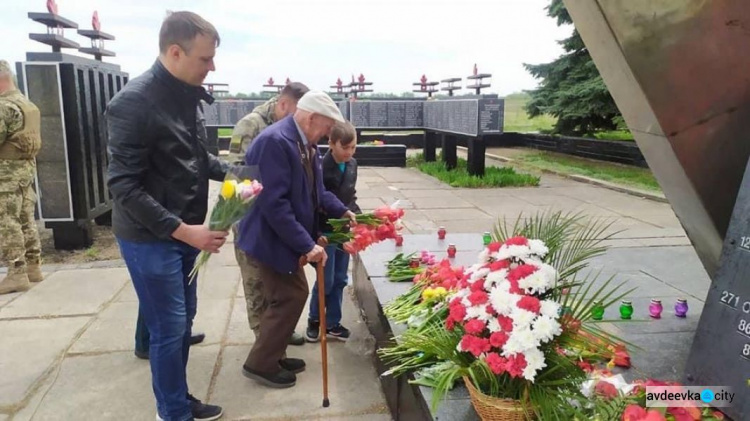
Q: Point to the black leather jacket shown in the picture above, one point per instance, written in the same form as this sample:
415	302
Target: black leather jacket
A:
159	166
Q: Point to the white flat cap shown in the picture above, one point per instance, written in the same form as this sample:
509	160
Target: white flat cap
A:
318	102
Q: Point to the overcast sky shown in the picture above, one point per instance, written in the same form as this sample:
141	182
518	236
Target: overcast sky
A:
392	42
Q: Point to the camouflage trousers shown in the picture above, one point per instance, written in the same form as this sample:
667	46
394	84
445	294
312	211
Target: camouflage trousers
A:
19	237
254	298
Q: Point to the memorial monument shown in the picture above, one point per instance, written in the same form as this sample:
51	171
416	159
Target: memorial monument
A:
71	93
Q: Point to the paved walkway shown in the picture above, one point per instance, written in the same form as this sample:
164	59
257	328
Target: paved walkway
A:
67	343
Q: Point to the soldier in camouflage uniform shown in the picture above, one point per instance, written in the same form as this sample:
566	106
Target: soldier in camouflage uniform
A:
246	130
20	141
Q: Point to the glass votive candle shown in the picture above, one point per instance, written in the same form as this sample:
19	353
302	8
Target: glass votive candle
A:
655	309
626	310
681	308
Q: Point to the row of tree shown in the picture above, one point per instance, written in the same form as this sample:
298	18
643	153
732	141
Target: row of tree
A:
571	88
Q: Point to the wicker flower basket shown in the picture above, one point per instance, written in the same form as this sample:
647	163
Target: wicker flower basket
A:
494	409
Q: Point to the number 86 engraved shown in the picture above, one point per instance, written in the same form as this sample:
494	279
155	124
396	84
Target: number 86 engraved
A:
744	327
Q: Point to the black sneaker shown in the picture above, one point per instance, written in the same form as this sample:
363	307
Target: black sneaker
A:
295	365
279	380
312	334
141	354
338	332
202	411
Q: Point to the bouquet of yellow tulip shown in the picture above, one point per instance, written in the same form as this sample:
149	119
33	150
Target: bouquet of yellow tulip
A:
235	200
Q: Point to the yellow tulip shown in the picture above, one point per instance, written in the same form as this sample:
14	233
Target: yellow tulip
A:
227	189
428	294
440	291
247	182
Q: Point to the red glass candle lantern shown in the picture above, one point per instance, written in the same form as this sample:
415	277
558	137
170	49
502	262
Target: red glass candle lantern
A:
451	250
399	240
441	233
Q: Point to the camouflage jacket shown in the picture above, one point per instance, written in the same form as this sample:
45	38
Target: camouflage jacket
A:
252	124
13	173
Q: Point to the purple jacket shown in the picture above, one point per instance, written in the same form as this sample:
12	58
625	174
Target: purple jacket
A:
281	225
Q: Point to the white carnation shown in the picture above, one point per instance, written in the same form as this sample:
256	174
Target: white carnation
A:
463	292
495	278
478	312
540	281
502	301
507	252
522	319
494	325
478	274
484	255
519	341
538	248
534	363
550	308
546	328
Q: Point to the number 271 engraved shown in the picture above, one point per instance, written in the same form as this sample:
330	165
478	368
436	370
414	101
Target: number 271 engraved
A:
730	299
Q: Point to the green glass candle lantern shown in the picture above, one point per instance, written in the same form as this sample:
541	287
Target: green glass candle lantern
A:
597	312
626	310
486	238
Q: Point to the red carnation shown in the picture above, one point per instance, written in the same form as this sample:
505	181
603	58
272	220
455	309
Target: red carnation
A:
520	272
530	303
506	323
516	365
476	346
606	389
516	241
499	265
494	247
498	339
474	326
478	297
496	362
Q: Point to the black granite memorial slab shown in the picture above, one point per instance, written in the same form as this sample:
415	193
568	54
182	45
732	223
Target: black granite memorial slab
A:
52	20
726	315
54	40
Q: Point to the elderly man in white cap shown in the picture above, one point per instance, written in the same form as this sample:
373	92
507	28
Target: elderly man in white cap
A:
282	227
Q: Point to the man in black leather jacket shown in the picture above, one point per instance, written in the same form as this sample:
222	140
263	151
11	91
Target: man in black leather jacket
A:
158	175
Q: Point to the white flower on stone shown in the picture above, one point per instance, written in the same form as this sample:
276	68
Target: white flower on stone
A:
502	301
484	255
550	309
546	328
507	252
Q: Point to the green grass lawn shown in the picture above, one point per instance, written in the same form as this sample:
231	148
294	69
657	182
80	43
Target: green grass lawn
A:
641	178
516	119
224	132
460	177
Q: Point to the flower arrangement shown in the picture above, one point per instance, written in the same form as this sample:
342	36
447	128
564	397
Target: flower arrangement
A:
370	228
505	325
235	199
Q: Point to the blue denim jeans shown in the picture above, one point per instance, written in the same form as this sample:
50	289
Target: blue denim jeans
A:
159	271
142	337
335	281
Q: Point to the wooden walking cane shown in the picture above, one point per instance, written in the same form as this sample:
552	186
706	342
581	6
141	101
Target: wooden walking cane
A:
322	317
319	270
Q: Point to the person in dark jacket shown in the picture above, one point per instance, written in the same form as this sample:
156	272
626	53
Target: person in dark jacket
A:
158	175
281	228
339	178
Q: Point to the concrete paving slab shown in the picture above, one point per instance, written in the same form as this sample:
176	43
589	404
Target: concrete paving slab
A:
455	214
129	397
478	224
218	282
238	332
368	204
431	193
232	390
7	298
212	319
225	257
439	203
127	294
113	330
28	350
68	292
432	184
